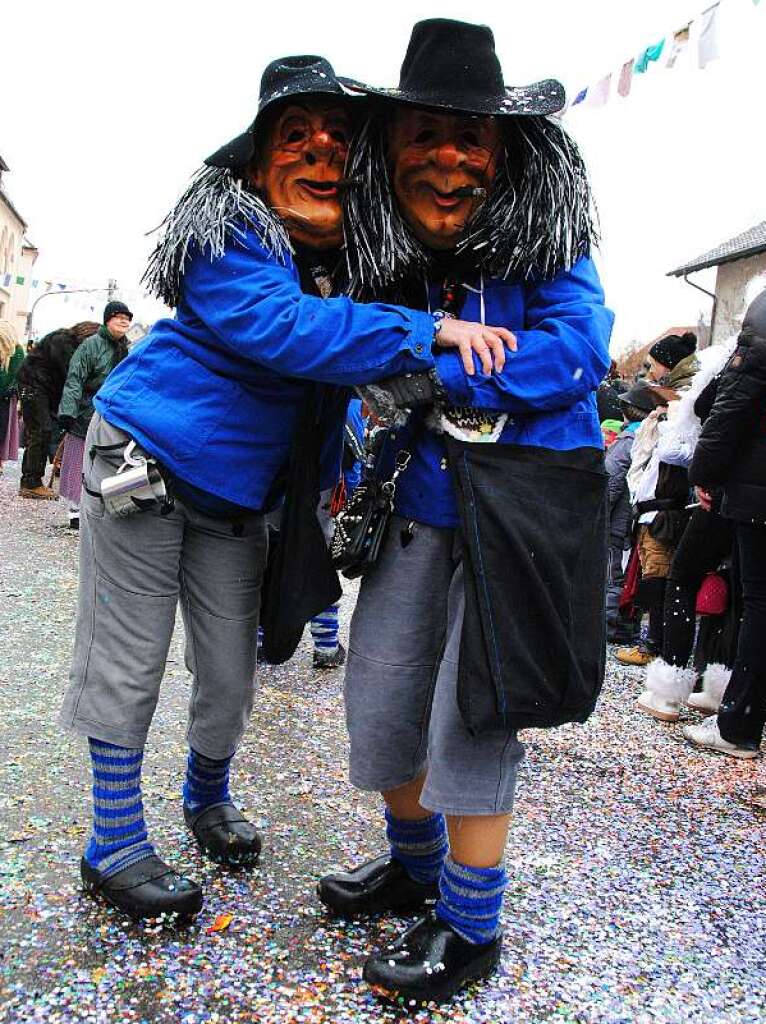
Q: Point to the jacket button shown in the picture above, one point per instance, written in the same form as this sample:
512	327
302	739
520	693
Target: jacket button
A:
418	348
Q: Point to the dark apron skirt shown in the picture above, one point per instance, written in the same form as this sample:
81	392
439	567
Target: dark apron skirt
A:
534	525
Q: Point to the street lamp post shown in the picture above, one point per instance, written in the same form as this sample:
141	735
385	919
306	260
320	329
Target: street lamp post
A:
65	291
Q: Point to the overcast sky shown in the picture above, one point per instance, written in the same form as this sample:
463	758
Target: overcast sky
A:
107	107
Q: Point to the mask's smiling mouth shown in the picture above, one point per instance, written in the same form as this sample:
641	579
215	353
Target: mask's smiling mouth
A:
449	199
319	189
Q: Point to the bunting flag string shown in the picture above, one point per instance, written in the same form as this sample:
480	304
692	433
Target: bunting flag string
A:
626	78
679	44
86	296
708	42
708	49
650	54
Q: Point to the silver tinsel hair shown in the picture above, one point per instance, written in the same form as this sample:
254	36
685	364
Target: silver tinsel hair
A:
215	206
539	218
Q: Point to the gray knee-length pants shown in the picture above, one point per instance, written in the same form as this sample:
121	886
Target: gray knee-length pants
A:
401	683
133	572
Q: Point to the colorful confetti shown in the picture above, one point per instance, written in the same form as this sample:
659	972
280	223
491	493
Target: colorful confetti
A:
637	863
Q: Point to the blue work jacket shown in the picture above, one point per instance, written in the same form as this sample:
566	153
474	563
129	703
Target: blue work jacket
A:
215	393
547	387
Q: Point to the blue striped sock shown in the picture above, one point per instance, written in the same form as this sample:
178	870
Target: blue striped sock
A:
207	781
420	846
324	630
119	836
471	900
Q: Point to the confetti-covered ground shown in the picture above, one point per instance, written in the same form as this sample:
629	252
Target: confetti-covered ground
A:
637	864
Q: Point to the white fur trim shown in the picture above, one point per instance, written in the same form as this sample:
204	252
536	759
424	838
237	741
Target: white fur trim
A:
683	426
715	679
669	682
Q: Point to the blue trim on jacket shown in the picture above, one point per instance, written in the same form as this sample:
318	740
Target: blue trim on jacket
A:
547	387
215	393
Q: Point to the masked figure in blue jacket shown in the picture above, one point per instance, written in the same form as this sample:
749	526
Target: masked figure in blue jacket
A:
485	611
189	448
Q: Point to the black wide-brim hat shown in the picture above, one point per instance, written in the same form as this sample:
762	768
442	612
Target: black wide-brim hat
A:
304	75
452	65
644	396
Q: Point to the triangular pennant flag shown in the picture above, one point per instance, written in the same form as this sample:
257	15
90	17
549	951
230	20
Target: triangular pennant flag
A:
35	284
579	97
625	79
708	41
20	279
679	44
6	280
651	53
599	94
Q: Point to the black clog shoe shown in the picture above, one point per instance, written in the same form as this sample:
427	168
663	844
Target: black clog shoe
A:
430	963
147	888
379	885
225	835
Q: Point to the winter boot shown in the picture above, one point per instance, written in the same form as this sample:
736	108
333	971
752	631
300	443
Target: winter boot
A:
708	735
667	688
40	493
715	679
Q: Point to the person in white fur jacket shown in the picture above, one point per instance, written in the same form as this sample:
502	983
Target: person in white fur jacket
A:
705	543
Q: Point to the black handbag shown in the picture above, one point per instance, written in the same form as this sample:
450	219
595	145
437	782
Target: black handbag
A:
361	527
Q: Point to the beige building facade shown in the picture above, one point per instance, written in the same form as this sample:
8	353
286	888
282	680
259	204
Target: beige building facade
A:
17	258
741	273
734	288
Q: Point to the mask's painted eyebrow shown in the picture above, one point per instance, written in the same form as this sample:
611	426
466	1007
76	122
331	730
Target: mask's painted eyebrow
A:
298	110
476	122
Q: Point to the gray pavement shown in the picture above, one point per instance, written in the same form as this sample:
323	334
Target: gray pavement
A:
637	864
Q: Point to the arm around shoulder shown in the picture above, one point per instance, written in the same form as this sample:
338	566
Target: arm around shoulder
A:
254	306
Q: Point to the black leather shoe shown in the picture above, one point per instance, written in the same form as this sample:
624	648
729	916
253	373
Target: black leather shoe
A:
225	835
430	962
147	888
379	885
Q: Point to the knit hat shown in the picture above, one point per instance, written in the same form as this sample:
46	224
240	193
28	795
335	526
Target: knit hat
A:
115	309
670	350
754	324
613	426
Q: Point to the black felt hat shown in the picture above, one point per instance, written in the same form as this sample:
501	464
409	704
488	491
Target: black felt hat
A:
304	75
670	350
644	396
452	65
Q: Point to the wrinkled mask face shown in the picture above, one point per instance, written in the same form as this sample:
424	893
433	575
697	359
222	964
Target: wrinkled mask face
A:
305	155
430	156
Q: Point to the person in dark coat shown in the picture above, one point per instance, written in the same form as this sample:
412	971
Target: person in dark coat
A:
40	384
731	453
635	405
89	367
